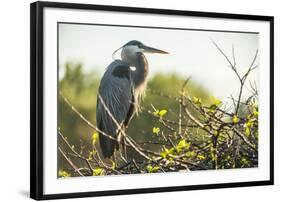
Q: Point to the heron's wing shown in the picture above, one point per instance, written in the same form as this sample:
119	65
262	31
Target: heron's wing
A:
116	90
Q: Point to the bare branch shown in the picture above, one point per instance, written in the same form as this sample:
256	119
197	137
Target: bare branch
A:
70	162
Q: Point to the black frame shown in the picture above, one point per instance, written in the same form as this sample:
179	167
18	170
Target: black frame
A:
36	98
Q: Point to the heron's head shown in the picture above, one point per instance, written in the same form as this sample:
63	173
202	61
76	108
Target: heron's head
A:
137	46
132	48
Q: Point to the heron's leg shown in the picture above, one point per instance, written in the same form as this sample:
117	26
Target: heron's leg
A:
114	158
121	140
123	150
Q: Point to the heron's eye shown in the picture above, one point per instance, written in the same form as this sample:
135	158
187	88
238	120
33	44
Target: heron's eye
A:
133	68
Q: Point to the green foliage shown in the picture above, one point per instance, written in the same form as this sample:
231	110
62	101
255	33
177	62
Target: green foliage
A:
95	137
235	119
201	157
160	113
182	145
190	154
98	171
64	174
197	101
155	130
113	166
216	101
152	169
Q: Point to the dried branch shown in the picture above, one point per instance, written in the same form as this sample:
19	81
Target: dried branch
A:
70	162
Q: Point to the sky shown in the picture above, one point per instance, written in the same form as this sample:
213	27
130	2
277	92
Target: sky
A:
192	53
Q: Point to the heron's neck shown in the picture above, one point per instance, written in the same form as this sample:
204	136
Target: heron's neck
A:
139	75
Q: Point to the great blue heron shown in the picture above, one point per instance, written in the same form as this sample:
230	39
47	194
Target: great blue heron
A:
120	89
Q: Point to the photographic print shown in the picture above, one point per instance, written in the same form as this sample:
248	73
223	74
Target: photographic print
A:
131	100
151	100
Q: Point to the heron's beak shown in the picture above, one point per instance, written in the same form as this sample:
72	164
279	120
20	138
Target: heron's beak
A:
147	49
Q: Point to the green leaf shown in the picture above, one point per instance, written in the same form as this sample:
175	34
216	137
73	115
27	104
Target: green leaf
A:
216	133
212	108
113	165
235	119
95	137
249	124
213	154
213	157
247	132
98	171
182	145
155	130
215	105
189	154
156	112
201	157
217	101
245	162
162	112
90	157
197	101
166	152
149	168
171	150
256	113
63	174
152	169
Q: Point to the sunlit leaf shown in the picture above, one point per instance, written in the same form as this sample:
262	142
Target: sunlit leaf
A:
152	169
113	166
245	162
166	152
163	154
256	113
247	132
216	101
63	174
213	157
189	154
156	112
249	124
162	112
201	157
182	145
212	108
197	101
155	130
95	137
98	171
90	157
149	168
235	119
216	133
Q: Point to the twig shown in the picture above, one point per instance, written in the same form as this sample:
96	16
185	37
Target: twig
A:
70	162
86	120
